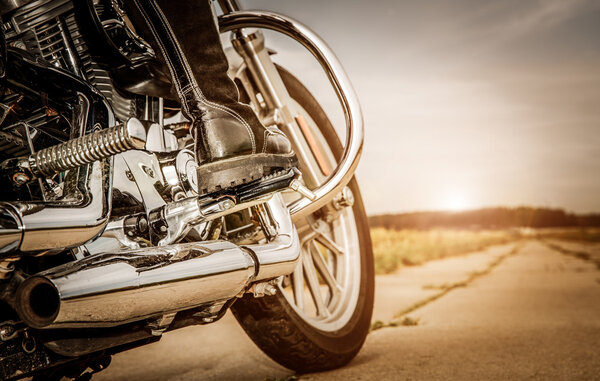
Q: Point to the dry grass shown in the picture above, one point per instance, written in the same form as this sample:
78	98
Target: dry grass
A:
589	235
396	248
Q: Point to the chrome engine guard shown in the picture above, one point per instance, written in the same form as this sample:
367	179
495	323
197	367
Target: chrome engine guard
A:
344	172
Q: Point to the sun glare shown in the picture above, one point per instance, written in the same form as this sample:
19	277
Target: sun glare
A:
455	201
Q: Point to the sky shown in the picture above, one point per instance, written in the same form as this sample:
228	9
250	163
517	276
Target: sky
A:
467	103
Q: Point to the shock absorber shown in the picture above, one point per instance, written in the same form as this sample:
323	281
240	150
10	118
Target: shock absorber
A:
89	148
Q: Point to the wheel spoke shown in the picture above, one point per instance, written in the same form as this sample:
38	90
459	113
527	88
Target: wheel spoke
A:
328	243
313	285
323	269
298	286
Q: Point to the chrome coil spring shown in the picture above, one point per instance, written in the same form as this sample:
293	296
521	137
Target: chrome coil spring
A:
89	148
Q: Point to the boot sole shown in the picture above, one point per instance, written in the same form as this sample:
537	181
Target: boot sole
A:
228	173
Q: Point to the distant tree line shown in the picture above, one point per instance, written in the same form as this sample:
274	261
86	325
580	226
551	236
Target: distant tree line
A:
488	218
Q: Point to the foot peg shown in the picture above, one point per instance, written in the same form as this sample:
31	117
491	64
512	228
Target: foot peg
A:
172	222
275	182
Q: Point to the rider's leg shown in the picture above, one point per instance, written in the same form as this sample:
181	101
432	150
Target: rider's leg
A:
232	145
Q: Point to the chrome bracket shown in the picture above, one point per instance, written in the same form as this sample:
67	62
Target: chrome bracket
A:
264	288
158	326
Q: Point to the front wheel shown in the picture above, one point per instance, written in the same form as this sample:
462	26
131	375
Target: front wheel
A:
321	315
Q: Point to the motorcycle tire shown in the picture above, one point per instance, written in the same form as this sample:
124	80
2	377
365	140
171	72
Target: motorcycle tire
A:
276	324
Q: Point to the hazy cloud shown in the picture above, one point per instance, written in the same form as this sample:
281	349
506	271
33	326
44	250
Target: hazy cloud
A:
497	100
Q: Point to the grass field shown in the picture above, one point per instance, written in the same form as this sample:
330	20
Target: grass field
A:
591	235
396	248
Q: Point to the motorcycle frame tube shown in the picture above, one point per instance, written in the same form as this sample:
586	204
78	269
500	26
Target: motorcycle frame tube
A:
280	256
51	226
344	171
44	226
83	214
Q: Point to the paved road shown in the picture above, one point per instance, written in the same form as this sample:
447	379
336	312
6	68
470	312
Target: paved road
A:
585	250
531	315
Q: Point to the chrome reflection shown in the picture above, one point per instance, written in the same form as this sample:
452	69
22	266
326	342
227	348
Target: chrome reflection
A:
82	212
281	254
109	289
341	84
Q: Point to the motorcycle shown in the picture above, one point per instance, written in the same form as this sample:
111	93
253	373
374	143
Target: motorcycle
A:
106	242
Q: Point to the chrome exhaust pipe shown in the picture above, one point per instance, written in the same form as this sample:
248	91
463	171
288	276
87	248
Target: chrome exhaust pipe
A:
11	228
44	226
105	290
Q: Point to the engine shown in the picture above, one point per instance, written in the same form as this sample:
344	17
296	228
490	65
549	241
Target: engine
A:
49	29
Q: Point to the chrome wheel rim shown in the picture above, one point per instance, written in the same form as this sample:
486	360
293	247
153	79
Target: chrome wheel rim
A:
323	289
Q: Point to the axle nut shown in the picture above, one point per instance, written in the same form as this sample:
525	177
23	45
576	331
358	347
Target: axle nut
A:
344	199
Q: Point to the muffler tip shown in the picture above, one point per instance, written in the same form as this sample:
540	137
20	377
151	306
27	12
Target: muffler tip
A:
38	302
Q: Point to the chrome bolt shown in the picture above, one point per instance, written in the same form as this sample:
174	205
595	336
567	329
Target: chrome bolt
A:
263	288
142	225
344	199
6	331
20	178
270	290
304	191
227	204
148	171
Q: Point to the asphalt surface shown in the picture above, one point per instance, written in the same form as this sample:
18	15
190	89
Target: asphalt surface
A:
531	313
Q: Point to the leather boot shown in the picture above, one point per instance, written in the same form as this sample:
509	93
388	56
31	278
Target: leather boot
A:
232	145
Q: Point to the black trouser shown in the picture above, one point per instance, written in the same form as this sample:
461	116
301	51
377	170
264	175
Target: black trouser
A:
195	59
232	146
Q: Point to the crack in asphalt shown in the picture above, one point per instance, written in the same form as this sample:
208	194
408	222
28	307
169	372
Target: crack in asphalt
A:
573	253
400	319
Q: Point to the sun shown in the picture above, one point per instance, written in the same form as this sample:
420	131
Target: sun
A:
455	201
